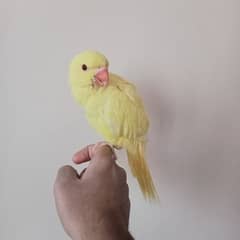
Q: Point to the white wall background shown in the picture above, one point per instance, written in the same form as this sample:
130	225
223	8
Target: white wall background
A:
184	57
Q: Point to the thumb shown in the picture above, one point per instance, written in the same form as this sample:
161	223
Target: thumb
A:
103	159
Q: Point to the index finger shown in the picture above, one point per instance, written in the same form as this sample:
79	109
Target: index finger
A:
83	155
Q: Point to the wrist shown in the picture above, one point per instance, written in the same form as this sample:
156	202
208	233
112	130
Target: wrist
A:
111	226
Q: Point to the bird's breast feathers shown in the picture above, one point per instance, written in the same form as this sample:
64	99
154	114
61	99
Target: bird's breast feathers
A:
116	111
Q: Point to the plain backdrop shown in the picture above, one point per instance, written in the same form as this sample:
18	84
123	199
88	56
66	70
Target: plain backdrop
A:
184	58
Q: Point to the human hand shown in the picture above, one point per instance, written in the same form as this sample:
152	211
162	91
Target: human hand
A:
95	203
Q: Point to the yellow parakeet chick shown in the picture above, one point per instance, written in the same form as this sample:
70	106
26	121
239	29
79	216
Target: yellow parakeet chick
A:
115	110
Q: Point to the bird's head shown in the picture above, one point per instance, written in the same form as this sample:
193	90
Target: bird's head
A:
89	69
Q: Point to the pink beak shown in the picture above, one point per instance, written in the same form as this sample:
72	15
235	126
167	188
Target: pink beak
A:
102	77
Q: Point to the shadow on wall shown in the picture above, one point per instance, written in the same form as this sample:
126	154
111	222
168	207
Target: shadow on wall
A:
161	110
190	146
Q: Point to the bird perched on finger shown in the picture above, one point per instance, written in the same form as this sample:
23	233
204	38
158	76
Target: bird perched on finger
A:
114	108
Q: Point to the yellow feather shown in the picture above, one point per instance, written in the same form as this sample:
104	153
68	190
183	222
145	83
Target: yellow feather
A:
117	113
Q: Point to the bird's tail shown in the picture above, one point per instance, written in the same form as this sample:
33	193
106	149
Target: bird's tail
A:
139	168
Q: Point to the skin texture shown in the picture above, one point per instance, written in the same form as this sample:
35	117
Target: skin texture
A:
94	204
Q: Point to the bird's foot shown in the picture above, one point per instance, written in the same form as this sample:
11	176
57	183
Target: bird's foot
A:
117	147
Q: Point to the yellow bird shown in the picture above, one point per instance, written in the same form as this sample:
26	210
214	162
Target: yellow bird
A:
115	110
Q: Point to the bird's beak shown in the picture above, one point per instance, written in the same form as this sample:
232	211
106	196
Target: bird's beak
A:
101	78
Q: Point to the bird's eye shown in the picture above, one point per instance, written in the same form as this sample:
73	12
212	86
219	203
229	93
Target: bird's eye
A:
84	67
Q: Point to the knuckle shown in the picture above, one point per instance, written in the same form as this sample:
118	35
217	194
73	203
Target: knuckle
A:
64	169
62	176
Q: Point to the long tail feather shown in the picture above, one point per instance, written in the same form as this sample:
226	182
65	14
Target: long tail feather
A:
141	171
